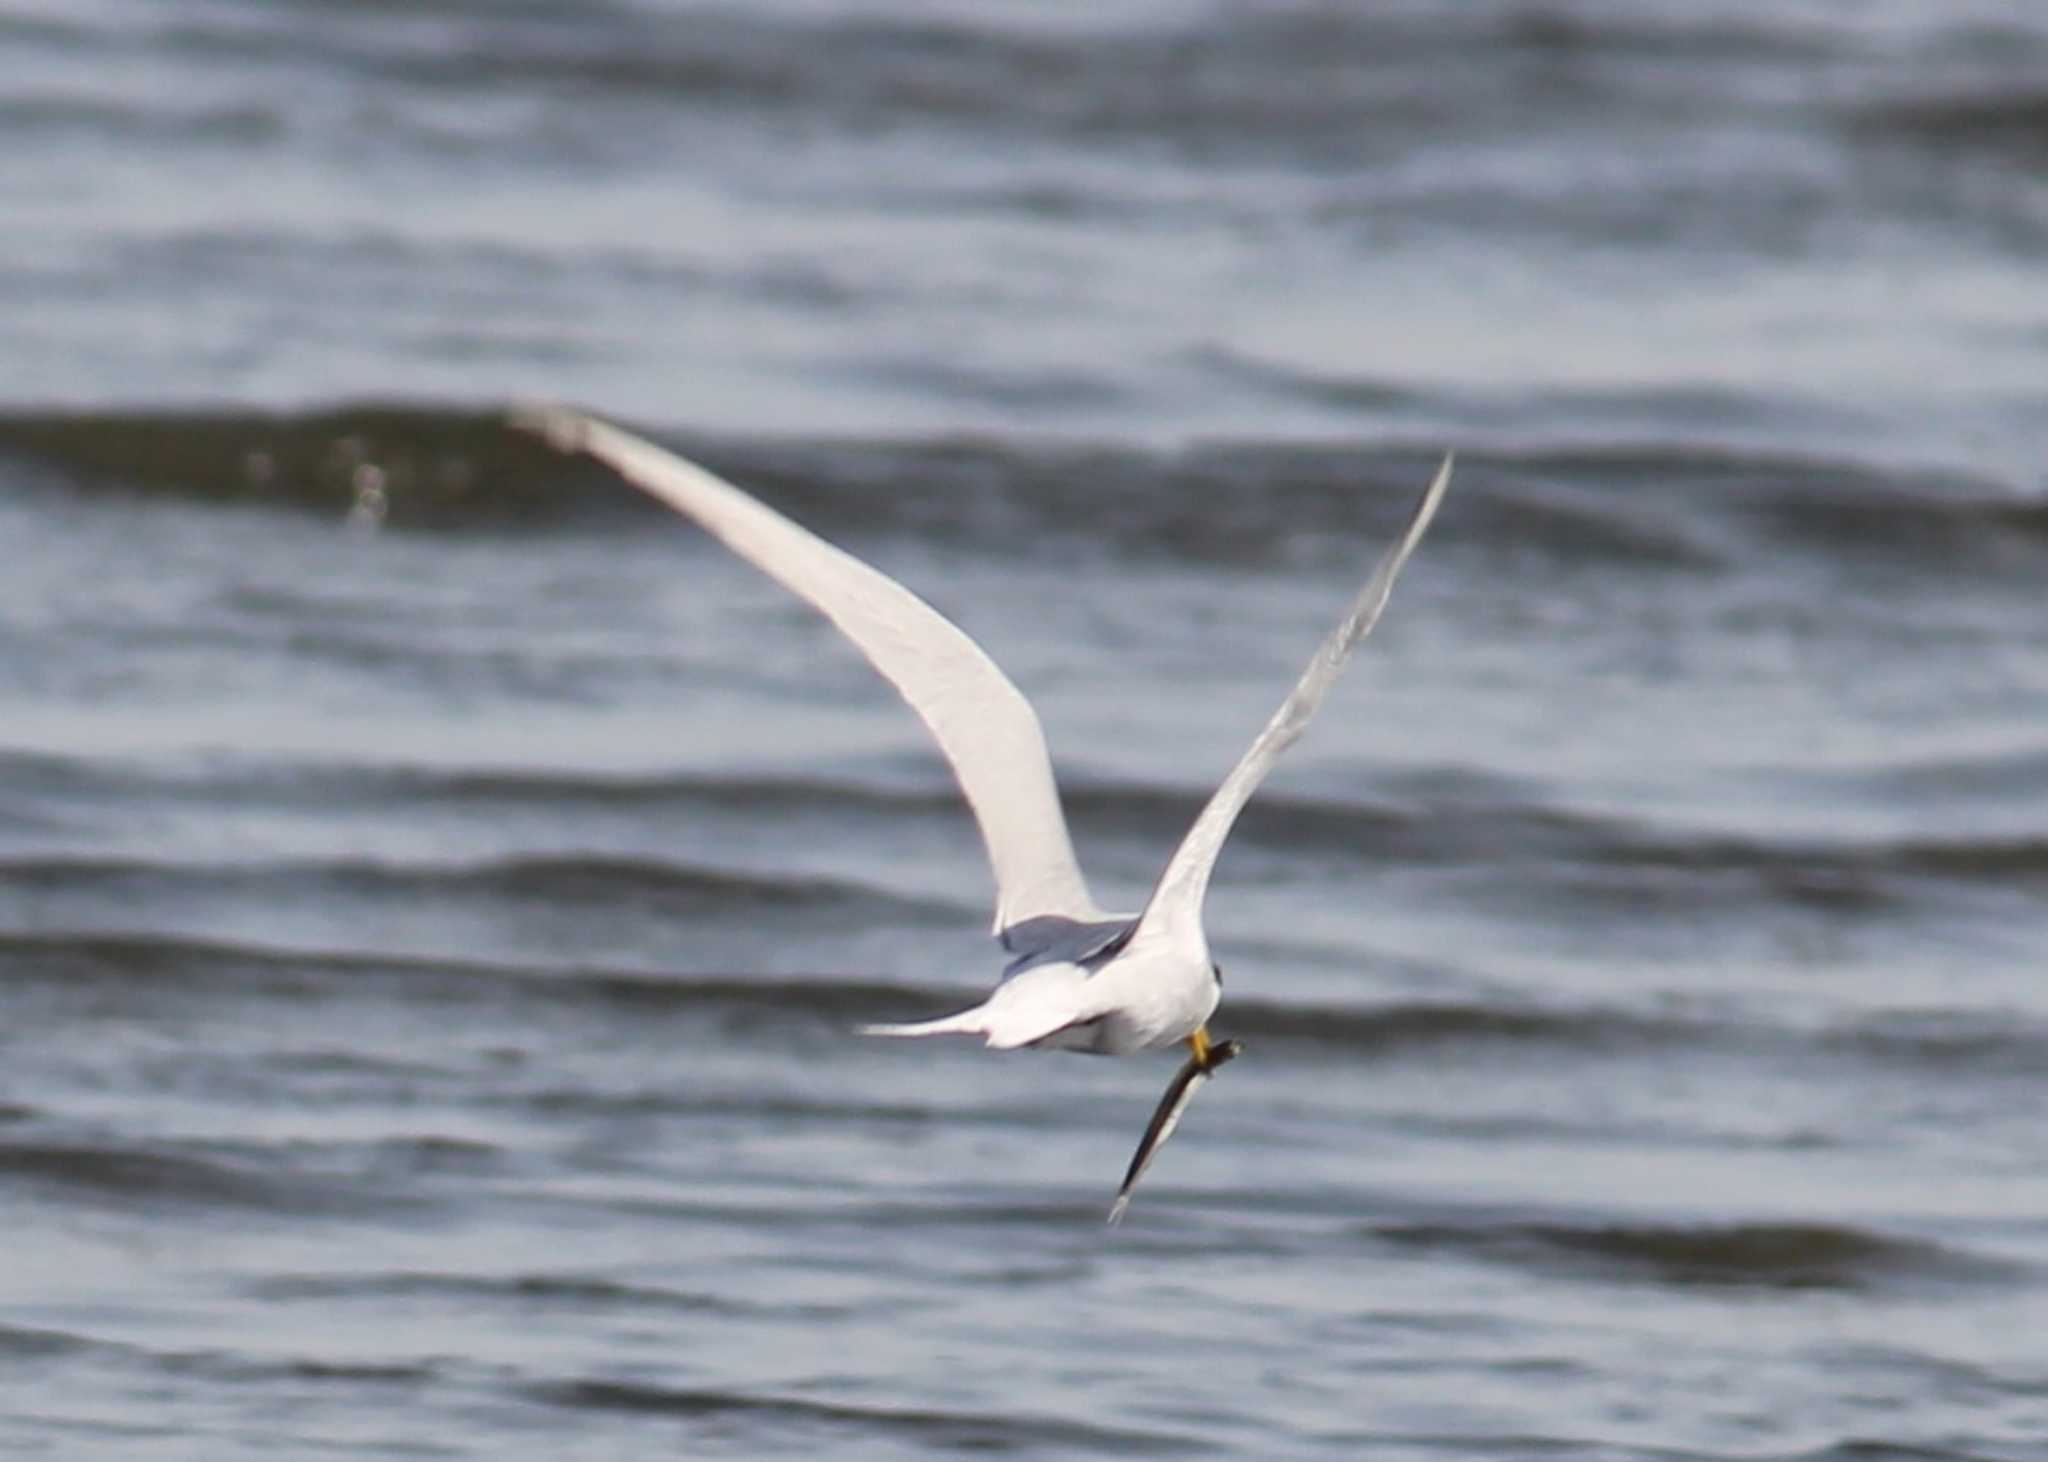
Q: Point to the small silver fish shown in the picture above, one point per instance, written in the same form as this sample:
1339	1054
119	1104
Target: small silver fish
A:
1179	1092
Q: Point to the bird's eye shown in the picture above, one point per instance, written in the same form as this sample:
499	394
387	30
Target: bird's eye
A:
1217	970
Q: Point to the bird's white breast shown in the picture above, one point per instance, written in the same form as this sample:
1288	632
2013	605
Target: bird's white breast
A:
1153	995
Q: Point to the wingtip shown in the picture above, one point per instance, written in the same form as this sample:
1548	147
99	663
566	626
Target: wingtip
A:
562	427
1425	511
1442	480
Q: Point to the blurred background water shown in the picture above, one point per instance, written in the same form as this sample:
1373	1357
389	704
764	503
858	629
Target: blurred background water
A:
435	889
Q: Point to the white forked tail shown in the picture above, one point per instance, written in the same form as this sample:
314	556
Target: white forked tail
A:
966	1023
1000	1030
1024	1009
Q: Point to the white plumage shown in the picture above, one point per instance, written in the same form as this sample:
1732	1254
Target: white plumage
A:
1078	978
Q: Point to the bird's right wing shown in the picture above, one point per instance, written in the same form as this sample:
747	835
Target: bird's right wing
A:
1175	909
981	721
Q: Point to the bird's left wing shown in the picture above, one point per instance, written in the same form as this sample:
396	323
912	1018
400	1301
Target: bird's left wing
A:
1175	909
981	721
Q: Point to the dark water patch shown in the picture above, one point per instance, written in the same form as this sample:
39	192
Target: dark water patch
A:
1645	871
1762	1256
1251	504
587	878
318	1061
57	117
128	973
458	469
229	1366
49	770
386	1373
51	786
2012	861
759	796
1997	123
1637	893
1872	1449
1740	504
1758	510
185	967
1584	526
16	820
130	970
26	1343
399	465
1421	1026
1671	507
1529	448
398	1159
582	1101
125	1176
1398	823
528	1292
52	29
952	1431
1686	37
583	881
1980	1043
1946	532
151	963
1605	857
291	782
1089	505
964	1208
1974	1043
1511	1446
1996	776
831	1002
1402	821
1636	860
1866	874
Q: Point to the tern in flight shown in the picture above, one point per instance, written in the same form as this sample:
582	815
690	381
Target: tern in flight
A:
1077	978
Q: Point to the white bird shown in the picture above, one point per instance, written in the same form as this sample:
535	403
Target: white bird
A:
1078	978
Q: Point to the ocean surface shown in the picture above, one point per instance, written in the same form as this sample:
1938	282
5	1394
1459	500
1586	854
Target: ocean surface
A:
437	889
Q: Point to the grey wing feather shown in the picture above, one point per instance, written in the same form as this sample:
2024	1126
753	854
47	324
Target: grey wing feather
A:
1046	938
1175	908
983	724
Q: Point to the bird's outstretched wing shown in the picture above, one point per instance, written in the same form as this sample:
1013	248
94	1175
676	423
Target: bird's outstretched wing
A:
981	721
1175	909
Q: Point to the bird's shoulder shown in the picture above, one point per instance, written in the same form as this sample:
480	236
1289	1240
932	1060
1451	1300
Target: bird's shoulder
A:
1054	938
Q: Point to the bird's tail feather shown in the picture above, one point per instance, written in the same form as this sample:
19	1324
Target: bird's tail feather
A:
967	1023
1016	1015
